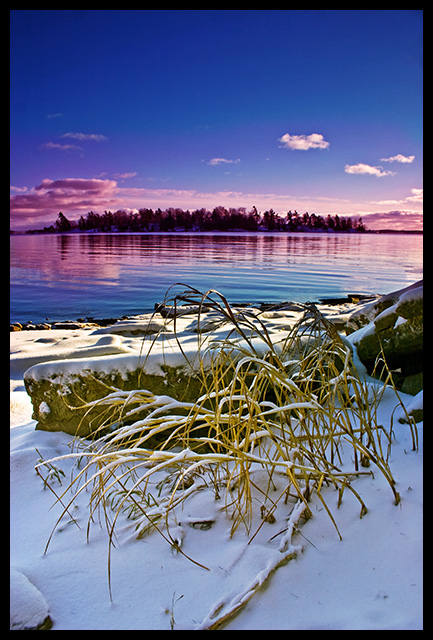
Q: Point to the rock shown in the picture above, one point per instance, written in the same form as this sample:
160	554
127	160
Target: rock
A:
68	324
100	322
58	389
414	410
28	607
396	326
412	384
410	304
17	326
386	319
167	311
137	326
43	326
367	312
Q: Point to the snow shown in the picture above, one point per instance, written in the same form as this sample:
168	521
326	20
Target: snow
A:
139	325
33	347
28	606
412	294
371	579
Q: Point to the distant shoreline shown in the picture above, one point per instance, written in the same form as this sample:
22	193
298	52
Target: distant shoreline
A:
74	232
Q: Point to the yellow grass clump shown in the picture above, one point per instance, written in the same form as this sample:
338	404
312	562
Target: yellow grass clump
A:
284	408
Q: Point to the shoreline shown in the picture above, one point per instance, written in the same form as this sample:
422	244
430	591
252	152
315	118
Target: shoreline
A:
88	322
13	232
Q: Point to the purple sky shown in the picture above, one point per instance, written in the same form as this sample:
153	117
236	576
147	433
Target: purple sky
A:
318	111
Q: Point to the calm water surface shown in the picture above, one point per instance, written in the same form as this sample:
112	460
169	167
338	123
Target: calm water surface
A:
111	275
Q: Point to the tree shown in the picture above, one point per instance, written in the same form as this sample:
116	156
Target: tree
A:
146	216
360	226
107	220
62	223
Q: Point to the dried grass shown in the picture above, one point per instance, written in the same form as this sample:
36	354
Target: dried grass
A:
283	407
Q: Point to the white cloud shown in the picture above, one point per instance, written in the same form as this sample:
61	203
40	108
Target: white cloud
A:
95	137
362	168
303	142
399	158
417	196
125	176
215	161
61	147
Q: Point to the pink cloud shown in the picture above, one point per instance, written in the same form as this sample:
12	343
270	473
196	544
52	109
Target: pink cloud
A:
70	195
72	186
395	220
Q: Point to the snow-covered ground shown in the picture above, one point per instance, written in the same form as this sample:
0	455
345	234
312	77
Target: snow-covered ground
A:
371	579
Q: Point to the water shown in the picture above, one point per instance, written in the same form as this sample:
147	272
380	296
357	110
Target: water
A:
111	275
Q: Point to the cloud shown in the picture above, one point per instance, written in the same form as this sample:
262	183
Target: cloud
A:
397	220
361	168
124	176
417	196
94	137
215	161
303	142
70	195
399	158
61	147
76	184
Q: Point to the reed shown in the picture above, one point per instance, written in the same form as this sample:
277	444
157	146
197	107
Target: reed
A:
295	413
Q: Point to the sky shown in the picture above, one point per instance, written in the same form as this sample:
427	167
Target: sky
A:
306	110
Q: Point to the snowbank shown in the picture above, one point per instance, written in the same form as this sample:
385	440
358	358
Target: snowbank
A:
33	347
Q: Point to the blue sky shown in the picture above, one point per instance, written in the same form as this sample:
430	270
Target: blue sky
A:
318	111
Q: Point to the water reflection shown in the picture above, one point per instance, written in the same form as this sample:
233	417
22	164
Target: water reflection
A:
188	248
128	273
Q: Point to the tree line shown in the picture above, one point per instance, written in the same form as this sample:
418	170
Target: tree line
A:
219	219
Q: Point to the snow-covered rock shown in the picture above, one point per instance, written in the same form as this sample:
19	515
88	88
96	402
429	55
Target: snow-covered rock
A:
28	607
139	325
396	326
59	389
367	312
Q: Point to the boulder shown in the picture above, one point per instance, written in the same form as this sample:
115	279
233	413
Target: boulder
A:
28	607
366	312
59	389
137	326
68	324
396	327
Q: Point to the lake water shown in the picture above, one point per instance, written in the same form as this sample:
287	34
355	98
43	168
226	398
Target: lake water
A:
111	275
